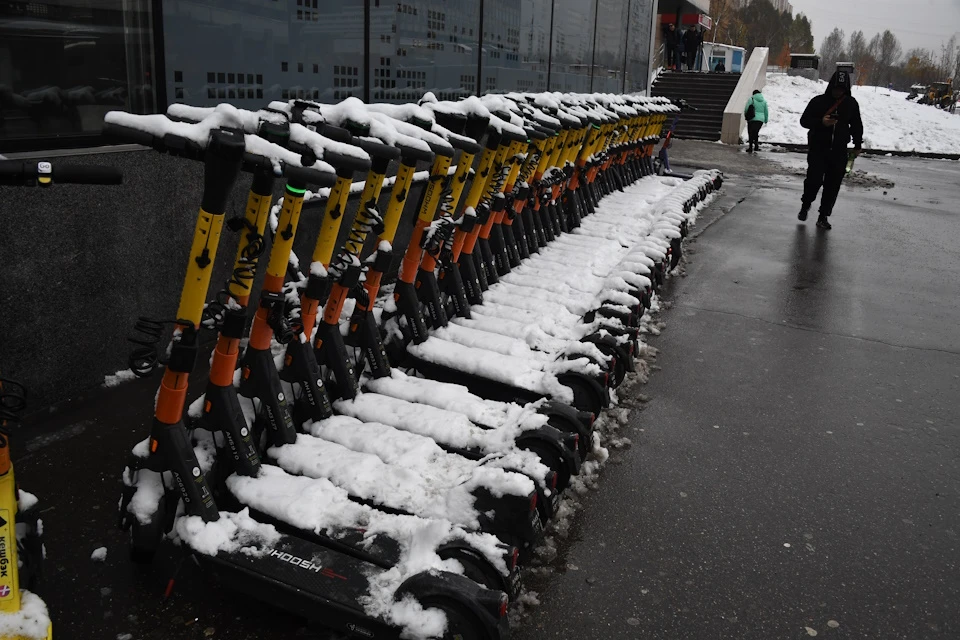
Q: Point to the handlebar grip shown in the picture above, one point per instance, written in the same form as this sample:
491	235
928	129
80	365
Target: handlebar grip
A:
12	172
476	126
467	146
535	132
451	120
299	175
441	149
378	149
345	162
309	176
515	137
86	174
415	154
339	134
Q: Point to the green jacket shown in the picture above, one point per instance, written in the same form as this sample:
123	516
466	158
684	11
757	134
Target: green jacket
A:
759	106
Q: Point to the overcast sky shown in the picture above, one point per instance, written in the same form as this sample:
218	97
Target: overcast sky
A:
917	23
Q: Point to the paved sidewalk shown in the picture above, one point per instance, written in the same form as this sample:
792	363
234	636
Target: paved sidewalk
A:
797	471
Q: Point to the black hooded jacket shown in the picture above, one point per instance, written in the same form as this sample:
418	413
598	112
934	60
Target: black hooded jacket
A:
849	125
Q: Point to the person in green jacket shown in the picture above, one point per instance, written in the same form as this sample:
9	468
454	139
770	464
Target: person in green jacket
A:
759	118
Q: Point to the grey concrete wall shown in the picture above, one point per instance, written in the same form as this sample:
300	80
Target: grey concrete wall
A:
79	264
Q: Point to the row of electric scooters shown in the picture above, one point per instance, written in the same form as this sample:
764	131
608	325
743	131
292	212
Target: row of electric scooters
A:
383	435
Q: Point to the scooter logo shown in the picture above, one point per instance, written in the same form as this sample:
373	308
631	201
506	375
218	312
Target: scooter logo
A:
4	591
360	630
4	536
304	563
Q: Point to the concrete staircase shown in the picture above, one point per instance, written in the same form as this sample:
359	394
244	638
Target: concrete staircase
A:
708	92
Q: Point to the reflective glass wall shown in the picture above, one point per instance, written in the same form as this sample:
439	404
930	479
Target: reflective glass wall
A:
63	63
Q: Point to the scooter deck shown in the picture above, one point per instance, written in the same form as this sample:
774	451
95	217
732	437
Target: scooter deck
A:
453	430
452	488
525	384
327	587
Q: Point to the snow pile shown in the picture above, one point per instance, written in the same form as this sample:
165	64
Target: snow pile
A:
118	378
99	554
523	333
31	622
396	469
232	532
319	506
445	395
890	121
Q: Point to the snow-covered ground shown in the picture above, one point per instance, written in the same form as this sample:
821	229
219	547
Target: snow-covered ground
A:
890	121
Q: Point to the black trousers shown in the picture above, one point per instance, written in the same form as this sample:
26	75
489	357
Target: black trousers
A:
753	131
825	168
672	52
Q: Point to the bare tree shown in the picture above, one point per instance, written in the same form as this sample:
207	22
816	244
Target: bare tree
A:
831	51
859	54
873	50
956	72
889	55
948	58
857	48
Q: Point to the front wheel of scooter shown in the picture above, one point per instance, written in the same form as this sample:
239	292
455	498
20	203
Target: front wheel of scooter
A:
462	624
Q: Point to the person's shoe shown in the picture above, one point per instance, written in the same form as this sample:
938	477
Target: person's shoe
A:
824	223
804	210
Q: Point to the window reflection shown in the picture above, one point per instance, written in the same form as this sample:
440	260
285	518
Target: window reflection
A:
63	65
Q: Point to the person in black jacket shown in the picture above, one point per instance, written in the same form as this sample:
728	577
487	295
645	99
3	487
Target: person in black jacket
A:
671	39
691	45
832	119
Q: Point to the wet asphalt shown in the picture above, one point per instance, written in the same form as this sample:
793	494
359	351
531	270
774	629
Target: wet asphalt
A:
807	396
797	470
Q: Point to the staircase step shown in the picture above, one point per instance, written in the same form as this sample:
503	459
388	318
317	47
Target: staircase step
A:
708	93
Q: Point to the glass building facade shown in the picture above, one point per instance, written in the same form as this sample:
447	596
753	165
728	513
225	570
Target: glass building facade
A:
64	63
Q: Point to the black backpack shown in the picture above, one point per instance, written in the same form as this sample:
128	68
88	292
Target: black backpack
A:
751	111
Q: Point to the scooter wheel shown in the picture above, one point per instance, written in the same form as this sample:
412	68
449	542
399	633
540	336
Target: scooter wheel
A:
462	624
619	369
588	395
476	567
550	458
145	538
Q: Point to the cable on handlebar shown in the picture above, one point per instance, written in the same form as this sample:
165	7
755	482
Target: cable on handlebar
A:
145	358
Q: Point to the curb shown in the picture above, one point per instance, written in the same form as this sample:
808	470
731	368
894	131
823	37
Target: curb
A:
877	152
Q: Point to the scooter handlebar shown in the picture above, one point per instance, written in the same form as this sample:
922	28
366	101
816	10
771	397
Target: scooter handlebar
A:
180	146
29	172
293	173
86	174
